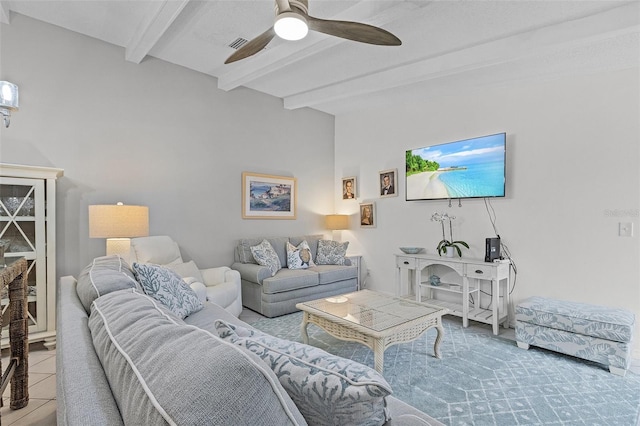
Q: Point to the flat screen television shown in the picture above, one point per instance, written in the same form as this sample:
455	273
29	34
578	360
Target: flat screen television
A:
470	168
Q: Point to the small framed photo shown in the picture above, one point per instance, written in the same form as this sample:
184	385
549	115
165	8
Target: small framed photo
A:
349	188
268	197
367	215
388	183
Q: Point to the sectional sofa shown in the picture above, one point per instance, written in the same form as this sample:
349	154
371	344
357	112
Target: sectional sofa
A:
125	357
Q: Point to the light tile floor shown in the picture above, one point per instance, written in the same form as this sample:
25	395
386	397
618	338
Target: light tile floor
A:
42	406
41	409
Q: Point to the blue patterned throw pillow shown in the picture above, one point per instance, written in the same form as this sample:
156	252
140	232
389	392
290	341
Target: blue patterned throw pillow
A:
328	390
331	252
168	288
299	257
265	255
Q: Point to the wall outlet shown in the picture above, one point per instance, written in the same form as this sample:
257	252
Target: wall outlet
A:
625	229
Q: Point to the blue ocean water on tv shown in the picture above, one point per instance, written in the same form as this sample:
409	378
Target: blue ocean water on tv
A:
477	180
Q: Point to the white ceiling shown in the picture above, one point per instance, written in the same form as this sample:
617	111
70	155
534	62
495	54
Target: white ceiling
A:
448	46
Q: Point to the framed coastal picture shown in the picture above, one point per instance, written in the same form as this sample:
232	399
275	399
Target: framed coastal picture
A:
367	215
387	180
268	196
349	188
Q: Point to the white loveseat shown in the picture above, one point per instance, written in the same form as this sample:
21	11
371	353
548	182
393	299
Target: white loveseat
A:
221	285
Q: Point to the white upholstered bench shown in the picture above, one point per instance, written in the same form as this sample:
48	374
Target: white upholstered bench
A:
591	332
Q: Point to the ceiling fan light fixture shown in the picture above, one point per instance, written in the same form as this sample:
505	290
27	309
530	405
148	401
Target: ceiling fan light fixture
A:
291	26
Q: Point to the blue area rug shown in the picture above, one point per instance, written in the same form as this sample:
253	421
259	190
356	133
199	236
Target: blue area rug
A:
487	380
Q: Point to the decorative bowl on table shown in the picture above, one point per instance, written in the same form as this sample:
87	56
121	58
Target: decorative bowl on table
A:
411	250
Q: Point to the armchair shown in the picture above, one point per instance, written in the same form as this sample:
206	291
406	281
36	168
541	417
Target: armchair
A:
220	285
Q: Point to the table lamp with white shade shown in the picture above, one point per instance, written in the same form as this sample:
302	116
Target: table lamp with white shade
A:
118	223
337	222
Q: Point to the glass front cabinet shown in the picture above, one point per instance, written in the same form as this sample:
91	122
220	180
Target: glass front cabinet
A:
28	229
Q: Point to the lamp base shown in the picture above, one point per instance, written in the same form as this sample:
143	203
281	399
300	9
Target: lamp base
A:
119	246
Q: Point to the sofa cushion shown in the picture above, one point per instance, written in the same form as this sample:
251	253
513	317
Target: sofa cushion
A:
168	288
328	274
102	276
186	270
290	279
327	389
204	318
279	245
265	255
243	251
331	252
148	355
299	257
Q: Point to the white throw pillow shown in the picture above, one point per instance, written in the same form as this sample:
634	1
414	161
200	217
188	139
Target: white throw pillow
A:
299	257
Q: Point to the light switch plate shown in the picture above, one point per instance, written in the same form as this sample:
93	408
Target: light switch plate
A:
625	229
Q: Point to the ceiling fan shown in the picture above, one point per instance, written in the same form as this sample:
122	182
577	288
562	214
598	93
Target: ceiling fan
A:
293	22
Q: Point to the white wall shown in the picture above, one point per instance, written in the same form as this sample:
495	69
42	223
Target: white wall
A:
159	135
573	174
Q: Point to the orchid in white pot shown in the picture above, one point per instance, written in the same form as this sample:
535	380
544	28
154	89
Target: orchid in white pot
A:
445	243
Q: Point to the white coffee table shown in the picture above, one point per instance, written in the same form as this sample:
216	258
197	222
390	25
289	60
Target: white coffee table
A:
376	320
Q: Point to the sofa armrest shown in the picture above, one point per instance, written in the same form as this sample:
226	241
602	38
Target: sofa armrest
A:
219	275
83	393
223	287
252	272
199	288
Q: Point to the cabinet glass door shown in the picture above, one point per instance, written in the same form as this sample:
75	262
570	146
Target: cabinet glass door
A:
22	233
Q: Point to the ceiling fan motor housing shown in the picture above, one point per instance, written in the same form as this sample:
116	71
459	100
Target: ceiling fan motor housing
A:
301	5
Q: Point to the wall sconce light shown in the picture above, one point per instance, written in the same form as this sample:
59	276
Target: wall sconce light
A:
8	100
337	222
118	224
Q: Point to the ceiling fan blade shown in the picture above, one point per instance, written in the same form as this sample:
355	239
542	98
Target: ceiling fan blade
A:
354	31
253	47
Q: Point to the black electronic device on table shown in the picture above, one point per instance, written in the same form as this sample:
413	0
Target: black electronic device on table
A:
492	249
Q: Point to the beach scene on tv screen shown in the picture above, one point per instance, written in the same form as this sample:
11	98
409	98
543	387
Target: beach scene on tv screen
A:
464	169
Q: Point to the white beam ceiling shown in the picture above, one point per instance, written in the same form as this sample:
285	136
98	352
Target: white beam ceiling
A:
554	38
148	33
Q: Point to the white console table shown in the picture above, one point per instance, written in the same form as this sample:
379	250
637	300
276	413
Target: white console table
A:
474	274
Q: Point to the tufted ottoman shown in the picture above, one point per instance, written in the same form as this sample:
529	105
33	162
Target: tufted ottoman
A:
591	332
